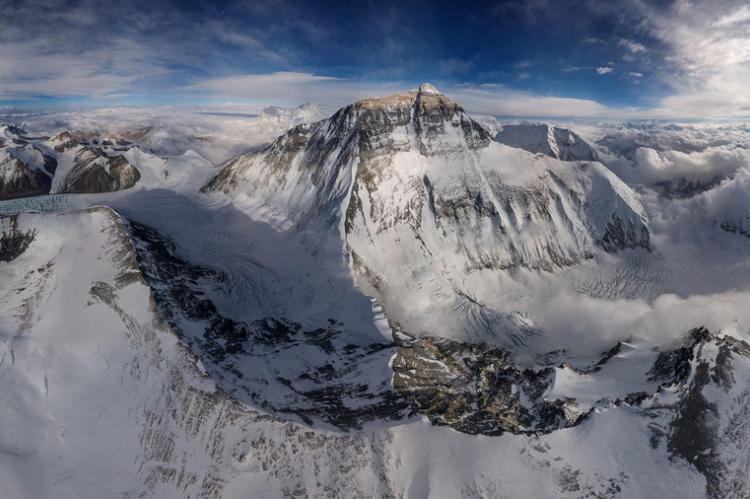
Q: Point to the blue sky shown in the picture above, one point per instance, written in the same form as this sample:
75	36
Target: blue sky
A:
558	58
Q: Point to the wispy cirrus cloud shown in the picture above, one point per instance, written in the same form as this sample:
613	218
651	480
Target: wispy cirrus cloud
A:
96	49
709	45
677	60
330	92
741	15
631	46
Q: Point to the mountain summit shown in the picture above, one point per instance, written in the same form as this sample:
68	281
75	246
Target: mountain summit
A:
425	201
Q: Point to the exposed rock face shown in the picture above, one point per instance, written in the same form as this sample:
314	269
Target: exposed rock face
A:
682	188
116	143
741	225
29	165
13	242
94	171
710	428
477	389
66	140
619	234
19	180
24	170
555	142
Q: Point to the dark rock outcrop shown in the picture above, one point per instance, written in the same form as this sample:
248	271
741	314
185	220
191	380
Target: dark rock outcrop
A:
310	374
25	170
94	172
13	242
66	140
21	180
709	427
620	234
477	389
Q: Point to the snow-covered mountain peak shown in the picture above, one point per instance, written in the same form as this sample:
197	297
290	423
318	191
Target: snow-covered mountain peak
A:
283	118
553	141
66	140
423	198
307	112
428	88
270	112
422	120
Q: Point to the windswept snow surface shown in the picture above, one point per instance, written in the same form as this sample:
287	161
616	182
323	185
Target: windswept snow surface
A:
163	342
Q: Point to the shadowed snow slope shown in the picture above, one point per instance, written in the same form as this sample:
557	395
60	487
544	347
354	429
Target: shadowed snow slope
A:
559	143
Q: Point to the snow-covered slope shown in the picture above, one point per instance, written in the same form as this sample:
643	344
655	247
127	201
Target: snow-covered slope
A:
556	142
429	207
96	338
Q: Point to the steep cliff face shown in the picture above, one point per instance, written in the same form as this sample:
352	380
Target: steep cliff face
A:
708	428
95	171
321	375
479	390
425	200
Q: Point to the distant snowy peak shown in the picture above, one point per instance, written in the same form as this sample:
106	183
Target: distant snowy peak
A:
76	161
12	132
25	170
428	88
66	140
541	138
287	118
307	113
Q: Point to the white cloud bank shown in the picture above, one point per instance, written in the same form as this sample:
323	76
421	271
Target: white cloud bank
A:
656	166
590	325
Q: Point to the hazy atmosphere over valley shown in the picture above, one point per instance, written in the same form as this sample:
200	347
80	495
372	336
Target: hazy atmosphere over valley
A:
275	248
